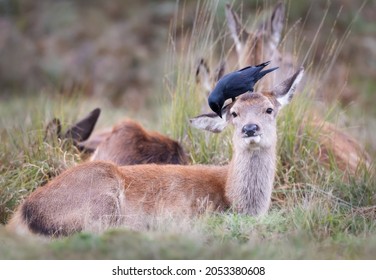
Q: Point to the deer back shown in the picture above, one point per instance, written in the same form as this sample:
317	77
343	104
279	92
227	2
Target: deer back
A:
129	143
126	143
95	196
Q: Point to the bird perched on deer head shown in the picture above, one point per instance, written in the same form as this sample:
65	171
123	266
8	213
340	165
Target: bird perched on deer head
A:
236	83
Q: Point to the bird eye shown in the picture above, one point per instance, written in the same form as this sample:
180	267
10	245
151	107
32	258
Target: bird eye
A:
234	114
269	110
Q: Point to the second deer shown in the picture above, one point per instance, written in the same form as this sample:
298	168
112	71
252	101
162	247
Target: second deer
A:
127	143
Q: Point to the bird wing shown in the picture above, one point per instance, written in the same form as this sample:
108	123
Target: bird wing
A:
246	75
248	72
245	68
256	67
237	85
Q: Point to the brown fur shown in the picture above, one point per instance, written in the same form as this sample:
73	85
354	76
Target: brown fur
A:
94	141
340	147
125	144
98	195
129	144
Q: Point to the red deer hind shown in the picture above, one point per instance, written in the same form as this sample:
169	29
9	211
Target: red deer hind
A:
126	143
98	195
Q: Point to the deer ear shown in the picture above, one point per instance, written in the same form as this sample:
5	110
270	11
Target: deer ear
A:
220	71
236	28
82	130
53	129
276	23
212	122
203	75
285	90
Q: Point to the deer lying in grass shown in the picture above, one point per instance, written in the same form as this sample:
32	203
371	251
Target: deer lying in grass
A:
97	195
129	143
126	143
255	47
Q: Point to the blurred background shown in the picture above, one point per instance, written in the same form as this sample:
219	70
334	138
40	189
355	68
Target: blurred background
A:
116	49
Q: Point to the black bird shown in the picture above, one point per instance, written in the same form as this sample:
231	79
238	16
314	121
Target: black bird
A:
236	83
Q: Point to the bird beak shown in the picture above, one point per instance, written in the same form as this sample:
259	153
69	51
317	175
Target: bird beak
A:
219	113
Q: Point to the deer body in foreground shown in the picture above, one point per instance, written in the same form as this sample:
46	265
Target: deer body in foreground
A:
97	195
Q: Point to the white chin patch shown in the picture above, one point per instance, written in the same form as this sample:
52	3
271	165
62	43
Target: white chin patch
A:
252	140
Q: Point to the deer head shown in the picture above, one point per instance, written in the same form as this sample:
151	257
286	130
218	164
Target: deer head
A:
255	47
252	169
253	115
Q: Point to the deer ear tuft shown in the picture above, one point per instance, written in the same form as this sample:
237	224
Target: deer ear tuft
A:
284	92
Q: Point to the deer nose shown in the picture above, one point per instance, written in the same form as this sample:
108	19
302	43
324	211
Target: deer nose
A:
250	129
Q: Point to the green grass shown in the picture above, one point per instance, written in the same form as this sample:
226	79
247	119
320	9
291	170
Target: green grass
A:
306	233
317	212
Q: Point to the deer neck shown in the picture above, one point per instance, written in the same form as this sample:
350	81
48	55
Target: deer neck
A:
250	180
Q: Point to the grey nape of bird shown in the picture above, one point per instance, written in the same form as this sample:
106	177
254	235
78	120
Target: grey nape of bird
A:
236	83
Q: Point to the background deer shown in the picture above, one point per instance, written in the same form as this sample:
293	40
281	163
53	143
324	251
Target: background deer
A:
255	47
129	143
125	144
97	195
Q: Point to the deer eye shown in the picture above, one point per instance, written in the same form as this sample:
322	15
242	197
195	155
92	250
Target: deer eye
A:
269	110
234	114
